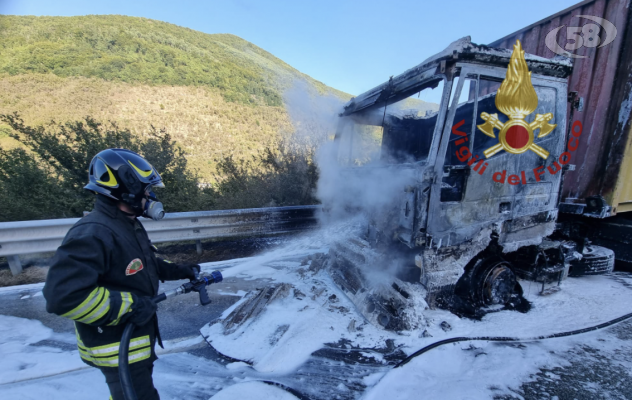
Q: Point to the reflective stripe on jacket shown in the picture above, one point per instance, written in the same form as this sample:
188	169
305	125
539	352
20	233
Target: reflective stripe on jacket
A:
140	348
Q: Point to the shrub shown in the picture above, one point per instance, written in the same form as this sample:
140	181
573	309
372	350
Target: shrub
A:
47	180
27	191
285	176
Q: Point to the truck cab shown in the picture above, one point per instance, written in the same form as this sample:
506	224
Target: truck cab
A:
469	177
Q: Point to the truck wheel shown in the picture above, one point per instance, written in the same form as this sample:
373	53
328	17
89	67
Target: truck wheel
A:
596	260
490	282
495	283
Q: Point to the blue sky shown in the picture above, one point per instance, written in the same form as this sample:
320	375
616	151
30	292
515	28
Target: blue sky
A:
349	45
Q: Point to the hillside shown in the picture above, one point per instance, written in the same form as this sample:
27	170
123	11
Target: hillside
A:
216	94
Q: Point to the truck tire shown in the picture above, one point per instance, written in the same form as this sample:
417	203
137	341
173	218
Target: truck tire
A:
490	281
596	260
495	283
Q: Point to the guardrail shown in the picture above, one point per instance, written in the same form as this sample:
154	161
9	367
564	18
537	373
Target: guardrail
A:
28	237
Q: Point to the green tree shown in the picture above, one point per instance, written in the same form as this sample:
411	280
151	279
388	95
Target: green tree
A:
285	176
27	192
47	180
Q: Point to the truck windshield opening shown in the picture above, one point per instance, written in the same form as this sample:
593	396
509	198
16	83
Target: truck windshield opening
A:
396	133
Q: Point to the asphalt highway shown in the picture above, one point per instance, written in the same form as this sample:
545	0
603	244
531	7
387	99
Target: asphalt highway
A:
593	373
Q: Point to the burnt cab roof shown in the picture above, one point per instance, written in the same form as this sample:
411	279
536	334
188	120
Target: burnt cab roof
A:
462	50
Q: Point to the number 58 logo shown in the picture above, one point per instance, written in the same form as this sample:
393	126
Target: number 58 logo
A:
588	35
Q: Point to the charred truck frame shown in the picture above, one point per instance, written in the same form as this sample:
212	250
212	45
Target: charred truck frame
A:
487	168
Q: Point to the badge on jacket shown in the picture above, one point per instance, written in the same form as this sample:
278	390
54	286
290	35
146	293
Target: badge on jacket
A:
134	266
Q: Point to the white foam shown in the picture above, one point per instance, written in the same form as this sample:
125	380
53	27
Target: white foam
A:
253	390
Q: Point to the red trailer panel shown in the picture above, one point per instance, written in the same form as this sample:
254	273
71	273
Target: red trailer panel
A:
604	81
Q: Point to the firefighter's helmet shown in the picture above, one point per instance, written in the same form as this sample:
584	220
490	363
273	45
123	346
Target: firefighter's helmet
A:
122	175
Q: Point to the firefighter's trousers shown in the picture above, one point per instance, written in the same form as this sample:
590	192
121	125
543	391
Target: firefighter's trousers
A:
141	377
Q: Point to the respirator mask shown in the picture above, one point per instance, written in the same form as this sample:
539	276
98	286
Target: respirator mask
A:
153	208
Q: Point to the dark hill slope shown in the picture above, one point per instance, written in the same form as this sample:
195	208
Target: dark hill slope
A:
140	50
217	95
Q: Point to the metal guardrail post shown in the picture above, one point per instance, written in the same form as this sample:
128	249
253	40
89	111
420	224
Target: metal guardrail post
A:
15	265
198	246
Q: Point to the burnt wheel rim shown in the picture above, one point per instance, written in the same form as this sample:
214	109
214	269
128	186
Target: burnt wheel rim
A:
498	285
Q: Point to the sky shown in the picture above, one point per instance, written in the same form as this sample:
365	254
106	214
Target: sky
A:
349	45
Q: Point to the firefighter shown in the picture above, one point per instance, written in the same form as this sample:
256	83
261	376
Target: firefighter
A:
106	271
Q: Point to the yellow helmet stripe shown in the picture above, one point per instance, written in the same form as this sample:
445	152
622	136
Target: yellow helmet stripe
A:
111	181
142	173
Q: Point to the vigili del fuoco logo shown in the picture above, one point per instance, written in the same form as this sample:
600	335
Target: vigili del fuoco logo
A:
134	266
517	98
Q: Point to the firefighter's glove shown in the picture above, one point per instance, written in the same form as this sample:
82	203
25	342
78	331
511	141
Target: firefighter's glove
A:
143	310
190	271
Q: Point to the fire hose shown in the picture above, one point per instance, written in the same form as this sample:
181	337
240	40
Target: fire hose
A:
198	285
511	339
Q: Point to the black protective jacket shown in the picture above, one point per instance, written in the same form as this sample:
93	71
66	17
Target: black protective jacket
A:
104	265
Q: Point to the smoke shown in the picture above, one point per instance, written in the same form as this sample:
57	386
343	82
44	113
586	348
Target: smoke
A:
313	115
354	185
369	189
345	191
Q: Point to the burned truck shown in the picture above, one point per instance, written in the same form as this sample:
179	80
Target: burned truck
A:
484	138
